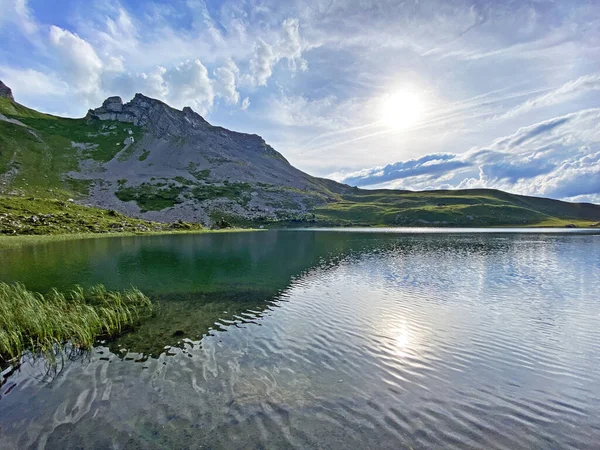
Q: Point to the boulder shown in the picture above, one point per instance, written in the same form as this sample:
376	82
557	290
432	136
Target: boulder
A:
113	104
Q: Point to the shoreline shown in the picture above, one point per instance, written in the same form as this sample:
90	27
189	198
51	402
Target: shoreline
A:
7	241
30	239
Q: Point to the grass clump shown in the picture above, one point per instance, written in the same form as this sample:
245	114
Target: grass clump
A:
44	324
237	192
144	155
150	197
194	170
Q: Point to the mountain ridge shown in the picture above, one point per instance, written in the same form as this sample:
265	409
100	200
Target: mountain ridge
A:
148	160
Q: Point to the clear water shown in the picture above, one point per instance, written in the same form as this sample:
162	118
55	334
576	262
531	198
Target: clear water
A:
323	339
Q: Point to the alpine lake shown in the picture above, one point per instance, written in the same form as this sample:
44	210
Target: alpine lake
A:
317	338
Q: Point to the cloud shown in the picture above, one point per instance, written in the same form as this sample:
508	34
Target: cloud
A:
291	44
189	85
531	132
37	83
433	164
18	13
186	84
245	104
189	55
151	83
266	56
298	111
82	66
225	80
566	92
262	62
558	158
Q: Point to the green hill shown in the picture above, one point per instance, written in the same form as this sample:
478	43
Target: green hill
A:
470	207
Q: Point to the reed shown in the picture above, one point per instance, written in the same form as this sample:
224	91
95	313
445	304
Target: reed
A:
44	324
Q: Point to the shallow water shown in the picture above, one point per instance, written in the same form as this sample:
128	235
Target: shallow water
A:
324	339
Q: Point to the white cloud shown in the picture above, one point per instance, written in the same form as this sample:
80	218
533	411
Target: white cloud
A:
32	83
18	13
290	46
112	52
245	104
266	56
326	113
262	62
81	65
226	82
188	84
566	92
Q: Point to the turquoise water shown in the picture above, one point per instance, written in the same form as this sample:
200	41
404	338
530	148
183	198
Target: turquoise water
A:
324	339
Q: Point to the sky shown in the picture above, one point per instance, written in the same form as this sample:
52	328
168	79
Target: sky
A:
418	94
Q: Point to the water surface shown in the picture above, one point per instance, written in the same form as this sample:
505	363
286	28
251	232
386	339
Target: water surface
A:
324	339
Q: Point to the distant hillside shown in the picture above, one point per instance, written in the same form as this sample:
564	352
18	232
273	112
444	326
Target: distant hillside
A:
468	207
148	160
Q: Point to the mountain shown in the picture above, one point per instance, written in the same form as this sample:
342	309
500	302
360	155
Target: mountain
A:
150	161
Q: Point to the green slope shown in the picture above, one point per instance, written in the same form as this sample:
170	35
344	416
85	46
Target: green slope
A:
36	216
470	207
43	152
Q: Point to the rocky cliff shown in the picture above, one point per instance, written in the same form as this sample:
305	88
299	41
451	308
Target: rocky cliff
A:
5	91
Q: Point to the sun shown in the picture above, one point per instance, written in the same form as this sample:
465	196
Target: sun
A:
401	109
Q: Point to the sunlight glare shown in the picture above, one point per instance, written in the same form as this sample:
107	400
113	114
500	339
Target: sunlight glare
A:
401	109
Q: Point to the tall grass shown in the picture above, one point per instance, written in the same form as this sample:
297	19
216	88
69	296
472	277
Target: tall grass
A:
44	324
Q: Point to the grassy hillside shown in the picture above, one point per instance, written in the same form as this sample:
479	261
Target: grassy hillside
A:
35	216
43	151
473	207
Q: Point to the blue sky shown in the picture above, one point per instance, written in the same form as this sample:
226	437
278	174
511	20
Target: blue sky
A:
404	94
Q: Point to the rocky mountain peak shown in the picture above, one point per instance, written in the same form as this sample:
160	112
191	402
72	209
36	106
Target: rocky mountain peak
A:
5	91
151	113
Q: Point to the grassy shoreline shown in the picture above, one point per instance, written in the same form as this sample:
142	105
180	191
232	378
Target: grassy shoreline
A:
21	240
43	325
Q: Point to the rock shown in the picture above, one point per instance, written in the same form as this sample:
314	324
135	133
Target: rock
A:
129	140
571	225
142	111
5	91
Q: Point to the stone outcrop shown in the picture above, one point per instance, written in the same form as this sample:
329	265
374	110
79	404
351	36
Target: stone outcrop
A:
157	116
5	91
